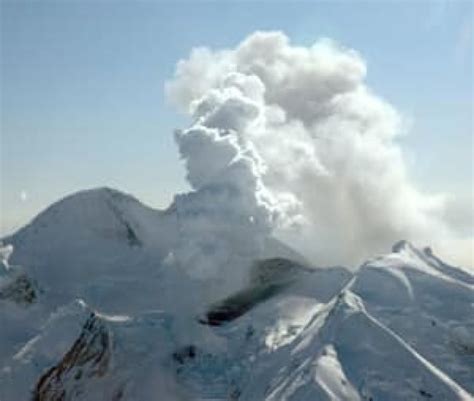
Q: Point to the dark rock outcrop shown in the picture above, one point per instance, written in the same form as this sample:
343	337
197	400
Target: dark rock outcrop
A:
89	357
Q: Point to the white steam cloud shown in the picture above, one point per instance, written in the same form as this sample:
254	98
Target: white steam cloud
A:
225	220
289	140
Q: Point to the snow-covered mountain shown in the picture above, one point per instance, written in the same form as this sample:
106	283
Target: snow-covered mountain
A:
93	308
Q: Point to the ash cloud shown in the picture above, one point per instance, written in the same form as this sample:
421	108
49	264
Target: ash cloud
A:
289	141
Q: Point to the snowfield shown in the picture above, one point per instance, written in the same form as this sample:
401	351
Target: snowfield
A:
93	307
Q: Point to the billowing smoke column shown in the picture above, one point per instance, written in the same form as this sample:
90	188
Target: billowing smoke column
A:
290	140
224	221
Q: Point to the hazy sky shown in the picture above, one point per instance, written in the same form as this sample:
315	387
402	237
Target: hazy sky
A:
83	103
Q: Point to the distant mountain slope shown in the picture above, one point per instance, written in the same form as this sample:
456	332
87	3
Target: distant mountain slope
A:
96	227
346	354
426	302
92	309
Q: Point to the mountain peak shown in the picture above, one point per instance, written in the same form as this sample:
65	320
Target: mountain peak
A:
101	213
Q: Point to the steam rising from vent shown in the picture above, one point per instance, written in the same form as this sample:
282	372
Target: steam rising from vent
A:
5	253
289	140
227	217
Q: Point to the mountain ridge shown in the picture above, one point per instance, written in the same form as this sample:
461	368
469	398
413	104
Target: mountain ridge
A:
397	328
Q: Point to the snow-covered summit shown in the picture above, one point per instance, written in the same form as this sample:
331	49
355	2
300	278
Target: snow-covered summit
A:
99	214
113	317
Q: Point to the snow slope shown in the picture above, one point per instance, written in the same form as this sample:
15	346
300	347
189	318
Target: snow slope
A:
92	308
